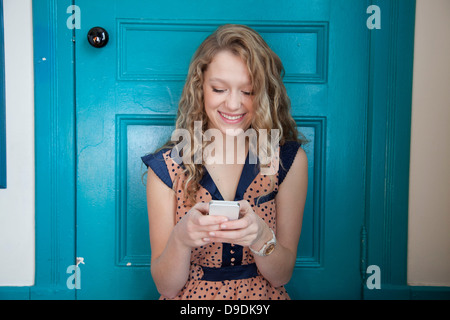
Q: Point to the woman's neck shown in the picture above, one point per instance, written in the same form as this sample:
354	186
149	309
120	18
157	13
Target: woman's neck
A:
231	150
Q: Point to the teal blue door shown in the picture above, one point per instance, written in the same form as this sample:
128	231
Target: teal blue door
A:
126	101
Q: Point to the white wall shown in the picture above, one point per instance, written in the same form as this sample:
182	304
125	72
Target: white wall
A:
429	217
17	201
429	192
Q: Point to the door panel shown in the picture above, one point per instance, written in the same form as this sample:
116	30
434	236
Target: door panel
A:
126	101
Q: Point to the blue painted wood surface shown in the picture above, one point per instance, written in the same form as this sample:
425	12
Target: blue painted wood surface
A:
127	94
54	150
333	97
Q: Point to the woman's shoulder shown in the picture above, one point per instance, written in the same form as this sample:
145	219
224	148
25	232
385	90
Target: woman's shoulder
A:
290	146
163	165
288	153
158	156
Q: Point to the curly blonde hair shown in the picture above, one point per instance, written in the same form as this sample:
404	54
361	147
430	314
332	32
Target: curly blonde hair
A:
271	102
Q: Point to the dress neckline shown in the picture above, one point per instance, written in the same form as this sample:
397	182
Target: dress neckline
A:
248	174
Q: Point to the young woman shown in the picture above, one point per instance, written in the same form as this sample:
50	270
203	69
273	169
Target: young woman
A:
234	84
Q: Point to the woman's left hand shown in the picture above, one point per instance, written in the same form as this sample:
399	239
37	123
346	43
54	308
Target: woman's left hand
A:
249	230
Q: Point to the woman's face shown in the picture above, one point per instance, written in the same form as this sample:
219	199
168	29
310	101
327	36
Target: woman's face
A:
228	93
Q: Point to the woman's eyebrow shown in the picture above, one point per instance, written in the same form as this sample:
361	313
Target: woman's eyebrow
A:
214	79
217	80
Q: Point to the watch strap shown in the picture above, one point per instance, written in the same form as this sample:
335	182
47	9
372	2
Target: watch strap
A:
263	252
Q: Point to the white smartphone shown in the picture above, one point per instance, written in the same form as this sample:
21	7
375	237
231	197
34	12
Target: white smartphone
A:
228	209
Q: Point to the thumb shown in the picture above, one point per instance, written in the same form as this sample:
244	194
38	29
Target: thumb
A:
244	207
202	207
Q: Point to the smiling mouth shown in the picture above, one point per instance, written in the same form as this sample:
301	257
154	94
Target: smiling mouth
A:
232	117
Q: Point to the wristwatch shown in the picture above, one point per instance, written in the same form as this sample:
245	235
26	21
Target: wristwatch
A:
267	248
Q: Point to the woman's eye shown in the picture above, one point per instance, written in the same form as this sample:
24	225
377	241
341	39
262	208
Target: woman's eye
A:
247	93
218	90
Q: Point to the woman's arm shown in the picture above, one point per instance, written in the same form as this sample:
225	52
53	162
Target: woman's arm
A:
171	243
252	231
169	260
290	203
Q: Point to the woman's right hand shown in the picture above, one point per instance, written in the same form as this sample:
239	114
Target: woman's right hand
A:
193	229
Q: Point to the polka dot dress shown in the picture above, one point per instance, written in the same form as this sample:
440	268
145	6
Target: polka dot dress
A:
225	271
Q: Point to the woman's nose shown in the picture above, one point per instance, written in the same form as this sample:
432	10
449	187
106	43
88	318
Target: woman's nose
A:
234	101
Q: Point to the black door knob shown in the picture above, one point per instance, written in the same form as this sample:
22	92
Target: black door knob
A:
98	37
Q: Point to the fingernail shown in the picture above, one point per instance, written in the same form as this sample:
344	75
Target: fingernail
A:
223	226
206	239
212	234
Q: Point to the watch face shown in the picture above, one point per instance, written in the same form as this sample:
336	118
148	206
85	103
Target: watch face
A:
269	249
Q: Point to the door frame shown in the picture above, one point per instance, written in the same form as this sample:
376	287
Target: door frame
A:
384	229
55	154
55	149
384	234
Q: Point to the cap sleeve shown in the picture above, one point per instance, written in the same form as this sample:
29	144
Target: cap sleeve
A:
288	151
158	164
